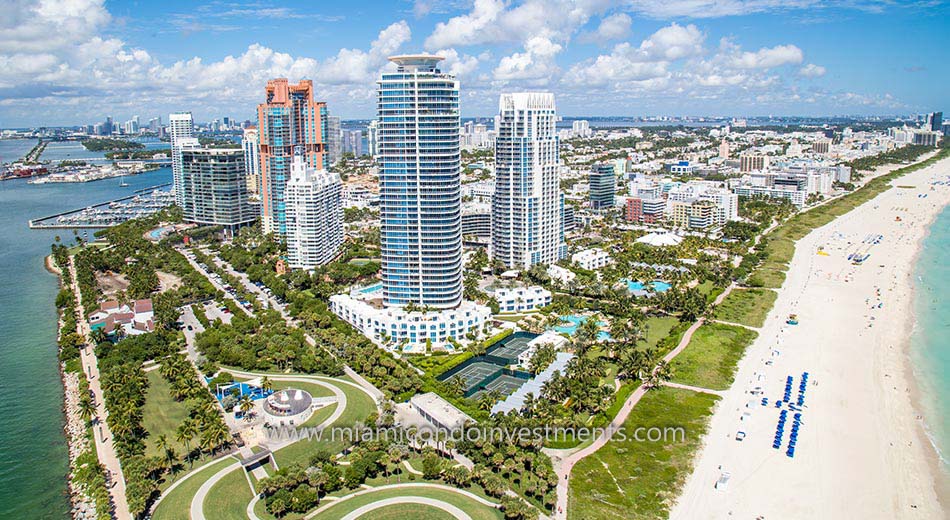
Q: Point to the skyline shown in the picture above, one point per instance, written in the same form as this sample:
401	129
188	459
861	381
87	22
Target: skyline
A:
699	57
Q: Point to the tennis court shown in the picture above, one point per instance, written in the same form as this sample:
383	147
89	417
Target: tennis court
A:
475	373
505	384
512	346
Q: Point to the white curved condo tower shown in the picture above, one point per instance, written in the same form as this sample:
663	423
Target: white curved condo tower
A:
420	184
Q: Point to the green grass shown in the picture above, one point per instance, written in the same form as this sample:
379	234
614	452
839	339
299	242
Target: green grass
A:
767	277
710	290
475	509
746	306
415	511
710	359
228	498
639	479
436	365
657	328
359	406
177	505
161	415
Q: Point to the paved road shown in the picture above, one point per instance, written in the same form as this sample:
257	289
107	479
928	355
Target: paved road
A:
101	433
563	466
445	506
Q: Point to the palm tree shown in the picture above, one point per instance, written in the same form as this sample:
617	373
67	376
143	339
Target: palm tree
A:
185	433
86	408
246	404
267	385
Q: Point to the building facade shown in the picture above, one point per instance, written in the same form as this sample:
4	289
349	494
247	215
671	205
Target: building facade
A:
420	184
288	118
181	127
214	187
334	140
314	215
527	207
251	145
603	186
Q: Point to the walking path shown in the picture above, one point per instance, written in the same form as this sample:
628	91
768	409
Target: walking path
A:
563	466
463	492
103	437
693	388
445	506
734	324
197	503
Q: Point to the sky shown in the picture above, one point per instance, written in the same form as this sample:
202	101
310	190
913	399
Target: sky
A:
69	62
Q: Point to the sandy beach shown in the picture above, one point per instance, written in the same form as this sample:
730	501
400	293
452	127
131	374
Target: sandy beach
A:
861	450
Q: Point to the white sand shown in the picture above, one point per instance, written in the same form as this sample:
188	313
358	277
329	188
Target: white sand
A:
861	451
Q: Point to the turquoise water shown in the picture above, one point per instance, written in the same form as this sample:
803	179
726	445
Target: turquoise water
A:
575	321
930	351
33	459
372	288
658	285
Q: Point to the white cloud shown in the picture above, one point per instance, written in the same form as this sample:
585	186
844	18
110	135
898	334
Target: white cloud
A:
536	63
812	71
674	42
461	65
613	27
494	21
766	57
648	61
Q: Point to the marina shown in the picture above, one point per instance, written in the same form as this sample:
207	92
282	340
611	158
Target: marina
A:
142	203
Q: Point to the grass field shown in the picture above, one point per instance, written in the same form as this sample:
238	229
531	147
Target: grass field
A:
639	479
746	306
476	510
710	359
359	406
161	415
177	504
228	498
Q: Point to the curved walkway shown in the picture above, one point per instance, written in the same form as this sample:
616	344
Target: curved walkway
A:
193	472
442	487
445	506
197	502
563	467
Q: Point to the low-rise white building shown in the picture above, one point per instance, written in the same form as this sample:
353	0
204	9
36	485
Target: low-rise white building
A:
591	259
395	326
521	299
550	337
438	412
561	274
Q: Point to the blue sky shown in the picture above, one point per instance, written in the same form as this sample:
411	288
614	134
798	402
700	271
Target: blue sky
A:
76	61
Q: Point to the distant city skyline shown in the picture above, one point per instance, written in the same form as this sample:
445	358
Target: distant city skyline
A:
73	63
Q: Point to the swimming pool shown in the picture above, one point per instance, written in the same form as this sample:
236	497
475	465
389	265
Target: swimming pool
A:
573	322
372	288
640	288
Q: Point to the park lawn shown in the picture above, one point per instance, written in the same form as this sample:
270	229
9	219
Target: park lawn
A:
414	511
656	328
314	389
162	415
228	499
359	406
710	359
710	290
640	479
476	510
746	306
177	505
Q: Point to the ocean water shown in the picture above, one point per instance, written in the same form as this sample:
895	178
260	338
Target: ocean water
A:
930	349
33	458
12	150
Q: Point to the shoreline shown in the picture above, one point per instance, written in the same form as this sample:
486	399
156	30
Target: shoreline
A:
938	466
863	418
